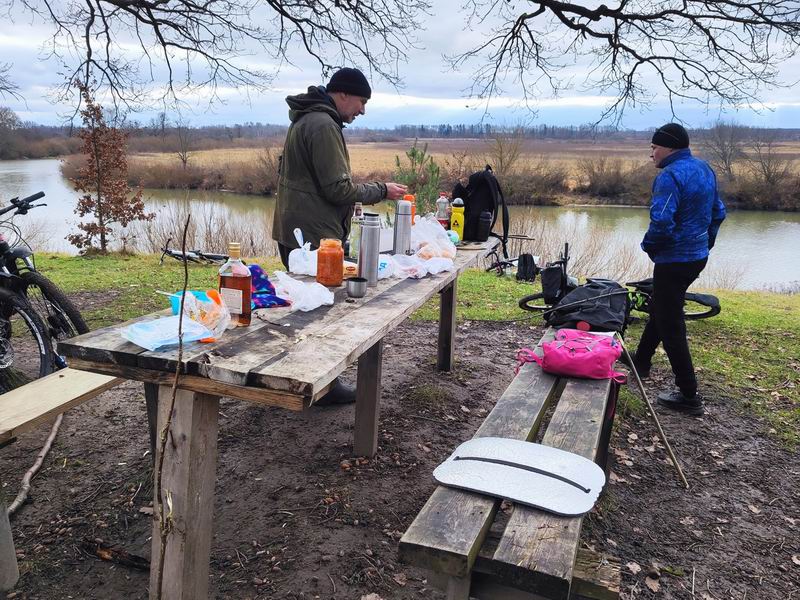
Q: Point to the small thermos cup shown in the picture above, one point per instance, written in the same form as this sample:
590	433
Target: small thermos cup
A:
402	227
369	248
484	226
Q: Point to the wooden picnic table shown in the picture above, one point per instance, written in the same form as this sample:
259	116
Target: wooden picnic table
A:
282	359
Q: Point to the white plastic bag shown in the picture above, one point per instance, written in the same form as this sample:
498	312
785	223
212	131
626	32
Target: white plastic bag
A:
385	266
302	260
303	296
437	265
164	332
409	266
430	240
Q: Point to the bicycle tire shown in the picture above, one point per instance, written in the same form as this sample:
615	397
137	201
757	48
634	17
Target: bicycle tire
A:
61	318
700	306
26	352
524	303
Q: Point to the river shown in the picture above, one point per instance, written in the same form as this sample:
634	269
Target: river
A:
755	249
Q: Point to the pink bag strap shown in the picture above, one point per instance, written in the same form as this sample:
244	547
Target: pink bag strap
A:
526	355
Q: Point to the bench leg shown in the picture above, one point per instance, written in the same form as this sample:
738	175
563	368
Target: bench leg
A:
9	571
189	474
368	397
458	588
151	402
447	326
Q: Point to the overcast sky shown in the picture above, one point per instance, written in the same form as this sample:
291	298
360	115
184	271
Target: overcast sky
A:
432	93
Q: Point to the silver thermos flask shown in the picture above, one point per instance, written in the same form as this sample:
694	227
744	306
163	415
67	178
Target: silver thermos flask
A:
402	227
369	248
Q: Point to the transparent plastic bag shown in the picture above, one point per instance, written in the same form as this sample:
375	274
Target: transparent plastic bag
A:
430	240
303	260
159	333
213	314
303	296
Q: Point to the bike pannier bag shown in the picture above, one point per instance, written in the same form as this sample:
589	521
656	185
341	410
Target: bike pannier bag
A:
601	303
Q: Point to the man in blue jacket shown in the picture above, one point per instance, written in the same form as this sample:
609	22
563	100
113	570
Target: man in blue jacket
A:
685	214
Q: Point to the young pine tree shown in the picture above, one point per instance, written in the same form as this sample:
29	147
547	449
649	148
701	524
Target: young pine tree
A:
103	180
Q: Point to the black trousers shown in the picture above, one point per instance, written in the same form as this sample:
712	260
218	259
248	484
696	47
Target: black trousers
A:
667	325
284	253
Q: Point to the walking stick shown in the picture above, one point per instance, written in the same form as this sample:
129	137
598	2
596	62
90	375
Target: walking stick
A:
661	433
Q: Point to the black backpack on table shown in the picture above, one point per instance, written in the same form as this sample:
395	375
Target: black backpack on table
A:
482	193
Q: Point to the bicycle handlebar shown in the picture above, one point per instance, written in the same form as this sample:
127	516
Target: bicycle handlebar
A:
31	198
23	206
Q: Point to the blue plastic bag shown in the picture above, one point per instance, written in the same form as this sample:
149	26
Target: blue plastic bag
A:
164	332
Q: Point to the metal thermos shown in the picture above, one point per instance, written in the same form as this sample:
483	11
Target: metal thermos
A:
402	227
369	248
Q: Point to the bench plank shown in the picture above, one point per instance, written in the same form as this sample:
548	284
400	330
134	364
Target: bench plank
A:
27	406
449	530
537	550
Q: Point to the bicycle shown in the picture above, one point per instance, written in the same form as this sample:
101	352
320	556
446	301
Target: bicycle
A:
195	256
557	283
34	313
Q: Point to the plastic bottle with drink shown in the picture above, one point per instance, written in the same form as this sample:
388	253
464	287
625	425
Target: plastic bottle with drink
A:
441	210
411	198
457	218
354	237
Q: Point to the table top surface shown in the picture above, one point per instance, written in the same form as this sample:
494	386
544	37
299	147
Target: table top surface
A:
297	354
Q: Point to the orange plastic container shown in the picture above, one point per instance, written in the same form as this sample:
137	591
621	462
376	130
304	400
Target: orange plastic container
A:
330	263
411	198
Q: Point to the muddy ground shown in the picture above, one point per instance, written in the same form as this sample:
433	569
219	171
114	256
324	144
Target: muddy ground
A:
298	516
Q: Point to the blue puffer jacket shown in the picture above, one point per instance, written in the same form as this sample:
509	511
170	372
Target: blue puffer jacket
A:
685	212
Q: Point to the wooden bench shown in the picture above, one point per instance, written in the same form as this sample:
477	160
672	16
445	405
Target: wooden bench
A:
471	551
23	409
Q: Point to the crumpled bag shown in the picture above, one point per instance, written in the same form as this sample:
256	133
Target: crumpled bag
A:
303	260
385	266
409	266
162	332
430	240
303	296
214	315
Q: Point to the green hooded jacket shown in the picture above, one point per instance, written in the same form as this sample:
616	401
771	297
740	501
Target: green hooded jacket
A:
315	190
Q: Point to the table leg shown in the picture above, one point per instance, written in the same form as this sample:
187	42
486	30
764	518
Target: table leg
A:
187	487
151	403
447	326
368	396
9	571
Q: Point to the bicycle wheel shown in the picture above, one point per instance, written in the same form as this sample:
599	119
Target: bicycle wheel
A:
700	306
25	349
525	303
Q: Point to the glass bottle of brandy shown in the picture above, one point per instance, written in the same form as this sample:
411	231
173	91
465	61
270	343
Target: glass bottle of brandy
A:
235	287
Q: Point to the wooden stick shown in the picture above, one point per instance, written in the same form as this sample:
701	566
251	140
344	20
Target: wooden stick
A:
661	433
26	479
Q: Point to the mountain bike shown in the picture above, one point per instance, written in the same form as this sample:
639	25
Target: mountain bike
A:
195	256
34	313
557	283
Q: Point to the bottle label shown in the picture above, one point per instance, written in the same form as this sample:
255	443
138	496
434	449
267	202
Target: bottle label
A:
233	299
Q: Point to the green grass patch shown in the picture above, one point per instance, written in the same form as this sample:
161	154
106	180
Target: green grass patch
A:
750	352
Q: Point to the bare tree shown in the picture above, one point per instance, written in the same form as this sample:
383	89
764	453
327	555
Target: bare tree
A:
7	87
205	45
506	149
766	162
9	123
727	51
185	137
723	145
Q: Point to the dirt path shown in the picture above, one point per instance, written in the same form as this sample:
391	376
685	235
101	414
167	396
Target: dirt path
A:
296	516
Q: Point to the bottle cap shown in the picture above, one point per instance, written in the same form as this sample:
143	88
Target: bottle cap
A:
410	198
458	202
372	219
234	249
403	207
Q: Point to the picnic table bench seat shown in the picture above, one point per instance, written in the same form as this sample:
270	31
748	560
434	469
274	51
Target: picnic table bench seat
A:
24	408
534	554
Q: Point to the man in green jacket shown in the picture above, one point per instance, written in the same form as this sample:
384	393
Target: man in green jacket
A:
315	188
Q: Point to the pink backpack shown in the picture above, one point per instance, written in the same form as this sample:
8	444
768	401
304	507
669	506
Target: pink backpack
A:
576	353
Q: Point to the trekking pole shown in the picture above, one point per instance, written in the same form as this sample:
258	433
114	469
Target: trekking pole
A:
661	433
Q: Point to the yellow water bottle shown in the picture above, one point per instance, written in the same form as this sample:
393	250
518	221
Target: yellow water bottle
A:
457	218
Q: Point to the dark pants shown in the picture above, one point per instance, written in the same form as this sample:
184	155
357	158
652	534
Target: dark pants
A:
667	325
284	253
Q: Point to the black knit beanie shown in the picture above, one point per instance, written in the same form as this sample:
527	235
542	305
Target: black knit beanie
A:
350	81
671	135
